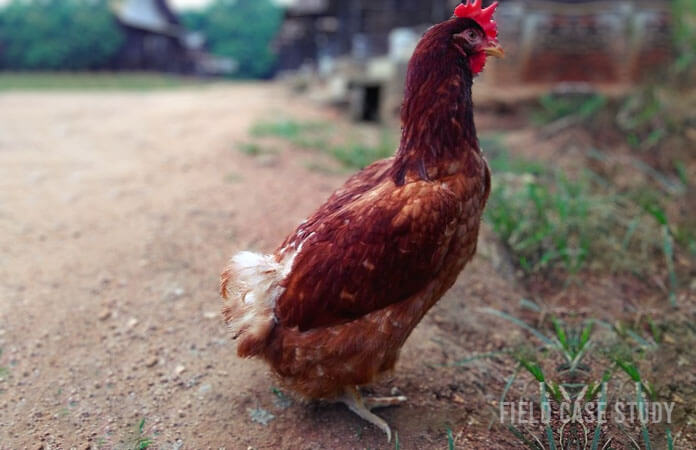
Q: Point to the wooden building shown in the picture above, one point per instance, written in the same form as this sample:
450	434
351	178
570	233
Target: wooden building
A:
316	29
154	38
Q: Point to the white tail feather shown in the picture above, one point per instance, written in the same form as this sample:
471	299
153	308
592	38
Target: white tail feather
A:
251	287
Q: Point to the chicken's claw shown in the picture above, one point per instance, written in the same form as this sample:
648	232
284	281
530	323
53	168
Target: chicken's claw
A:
383	402
362	407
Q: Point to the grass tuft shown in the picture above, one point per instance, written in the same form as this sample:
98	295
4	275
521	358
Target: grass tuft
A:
554	107
450	439
289	129
142	441
352	153
549	221
358	155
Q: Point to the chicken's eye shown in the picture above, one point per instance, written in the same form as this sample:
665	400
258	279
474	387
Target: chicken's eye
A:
470	35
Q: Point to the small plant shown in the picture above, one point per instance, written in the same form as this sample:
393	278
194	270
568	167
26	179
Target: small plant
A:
286	128
549	221
554	107
358	155
450	439
307	135
4	371
684	29
576	386
353	153
644	119
142	441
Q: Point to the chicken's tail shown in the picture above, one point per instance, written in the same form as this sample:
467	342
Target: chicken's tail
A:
250	287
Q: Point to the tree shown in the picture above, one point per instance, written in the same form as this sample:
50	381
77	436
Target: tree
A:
57	34
241	30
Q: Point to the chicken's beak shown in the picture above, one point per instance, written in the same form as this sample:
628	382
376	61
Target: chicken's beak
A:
494	49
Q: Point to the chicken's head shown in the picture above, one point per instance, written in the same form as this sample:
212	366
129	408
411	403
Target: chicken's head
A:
468	38
475	33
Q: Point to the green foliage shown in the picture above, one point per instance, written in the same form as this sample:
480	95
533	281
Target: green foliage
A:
684	29
359	155
142	442
645	120
285	128
544	221
548	220
57	34
4	372
556	107
241	30
450	439
581	386
352	154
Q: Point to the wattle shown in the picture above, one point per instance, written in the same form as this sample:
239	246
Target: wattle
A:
477	62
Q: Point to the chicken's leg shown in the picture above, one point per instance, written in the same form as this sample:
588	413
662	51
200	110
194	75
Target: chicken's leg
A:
362	407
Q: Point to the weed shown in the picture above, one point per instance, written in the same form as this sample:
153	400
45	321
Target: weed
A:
4	371
450	439
579	107
500	161
141	441
644	120
306	135
353	153
286	128
358	155
684	29
281	400
577	385
549	221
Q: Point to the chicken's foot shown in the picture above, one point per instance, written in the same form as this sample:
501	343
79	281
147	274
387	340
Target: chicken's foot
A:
383	402
363	406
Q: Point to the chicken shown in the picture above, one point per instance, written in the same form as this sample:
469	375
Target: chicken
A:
330	309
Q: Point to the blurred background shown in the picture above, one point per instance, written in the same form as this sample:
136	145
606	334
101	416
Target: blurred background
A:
600	41
143	141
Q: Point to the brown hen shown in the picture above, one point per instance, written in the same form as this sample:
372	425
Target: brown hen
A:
330	309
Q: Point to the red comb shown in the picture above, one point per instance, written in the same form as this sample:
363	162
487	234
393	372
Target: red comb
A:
471	9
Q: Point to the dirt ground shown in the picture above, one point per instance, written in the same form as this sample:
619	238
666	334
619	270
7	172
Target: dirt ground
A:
118	212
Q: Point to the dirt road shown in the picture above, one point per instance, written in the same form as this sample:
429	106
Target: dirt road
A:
117	213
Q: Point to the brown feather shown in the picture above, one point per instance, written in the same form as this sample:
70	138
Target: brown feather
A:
349	285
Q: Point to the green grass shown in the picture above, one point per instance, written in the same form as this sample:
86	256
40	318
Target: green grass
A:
548	220
684	30
556	107
500	161
605	347
91	81
142	441
350	151
4	371
357	155
289	129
